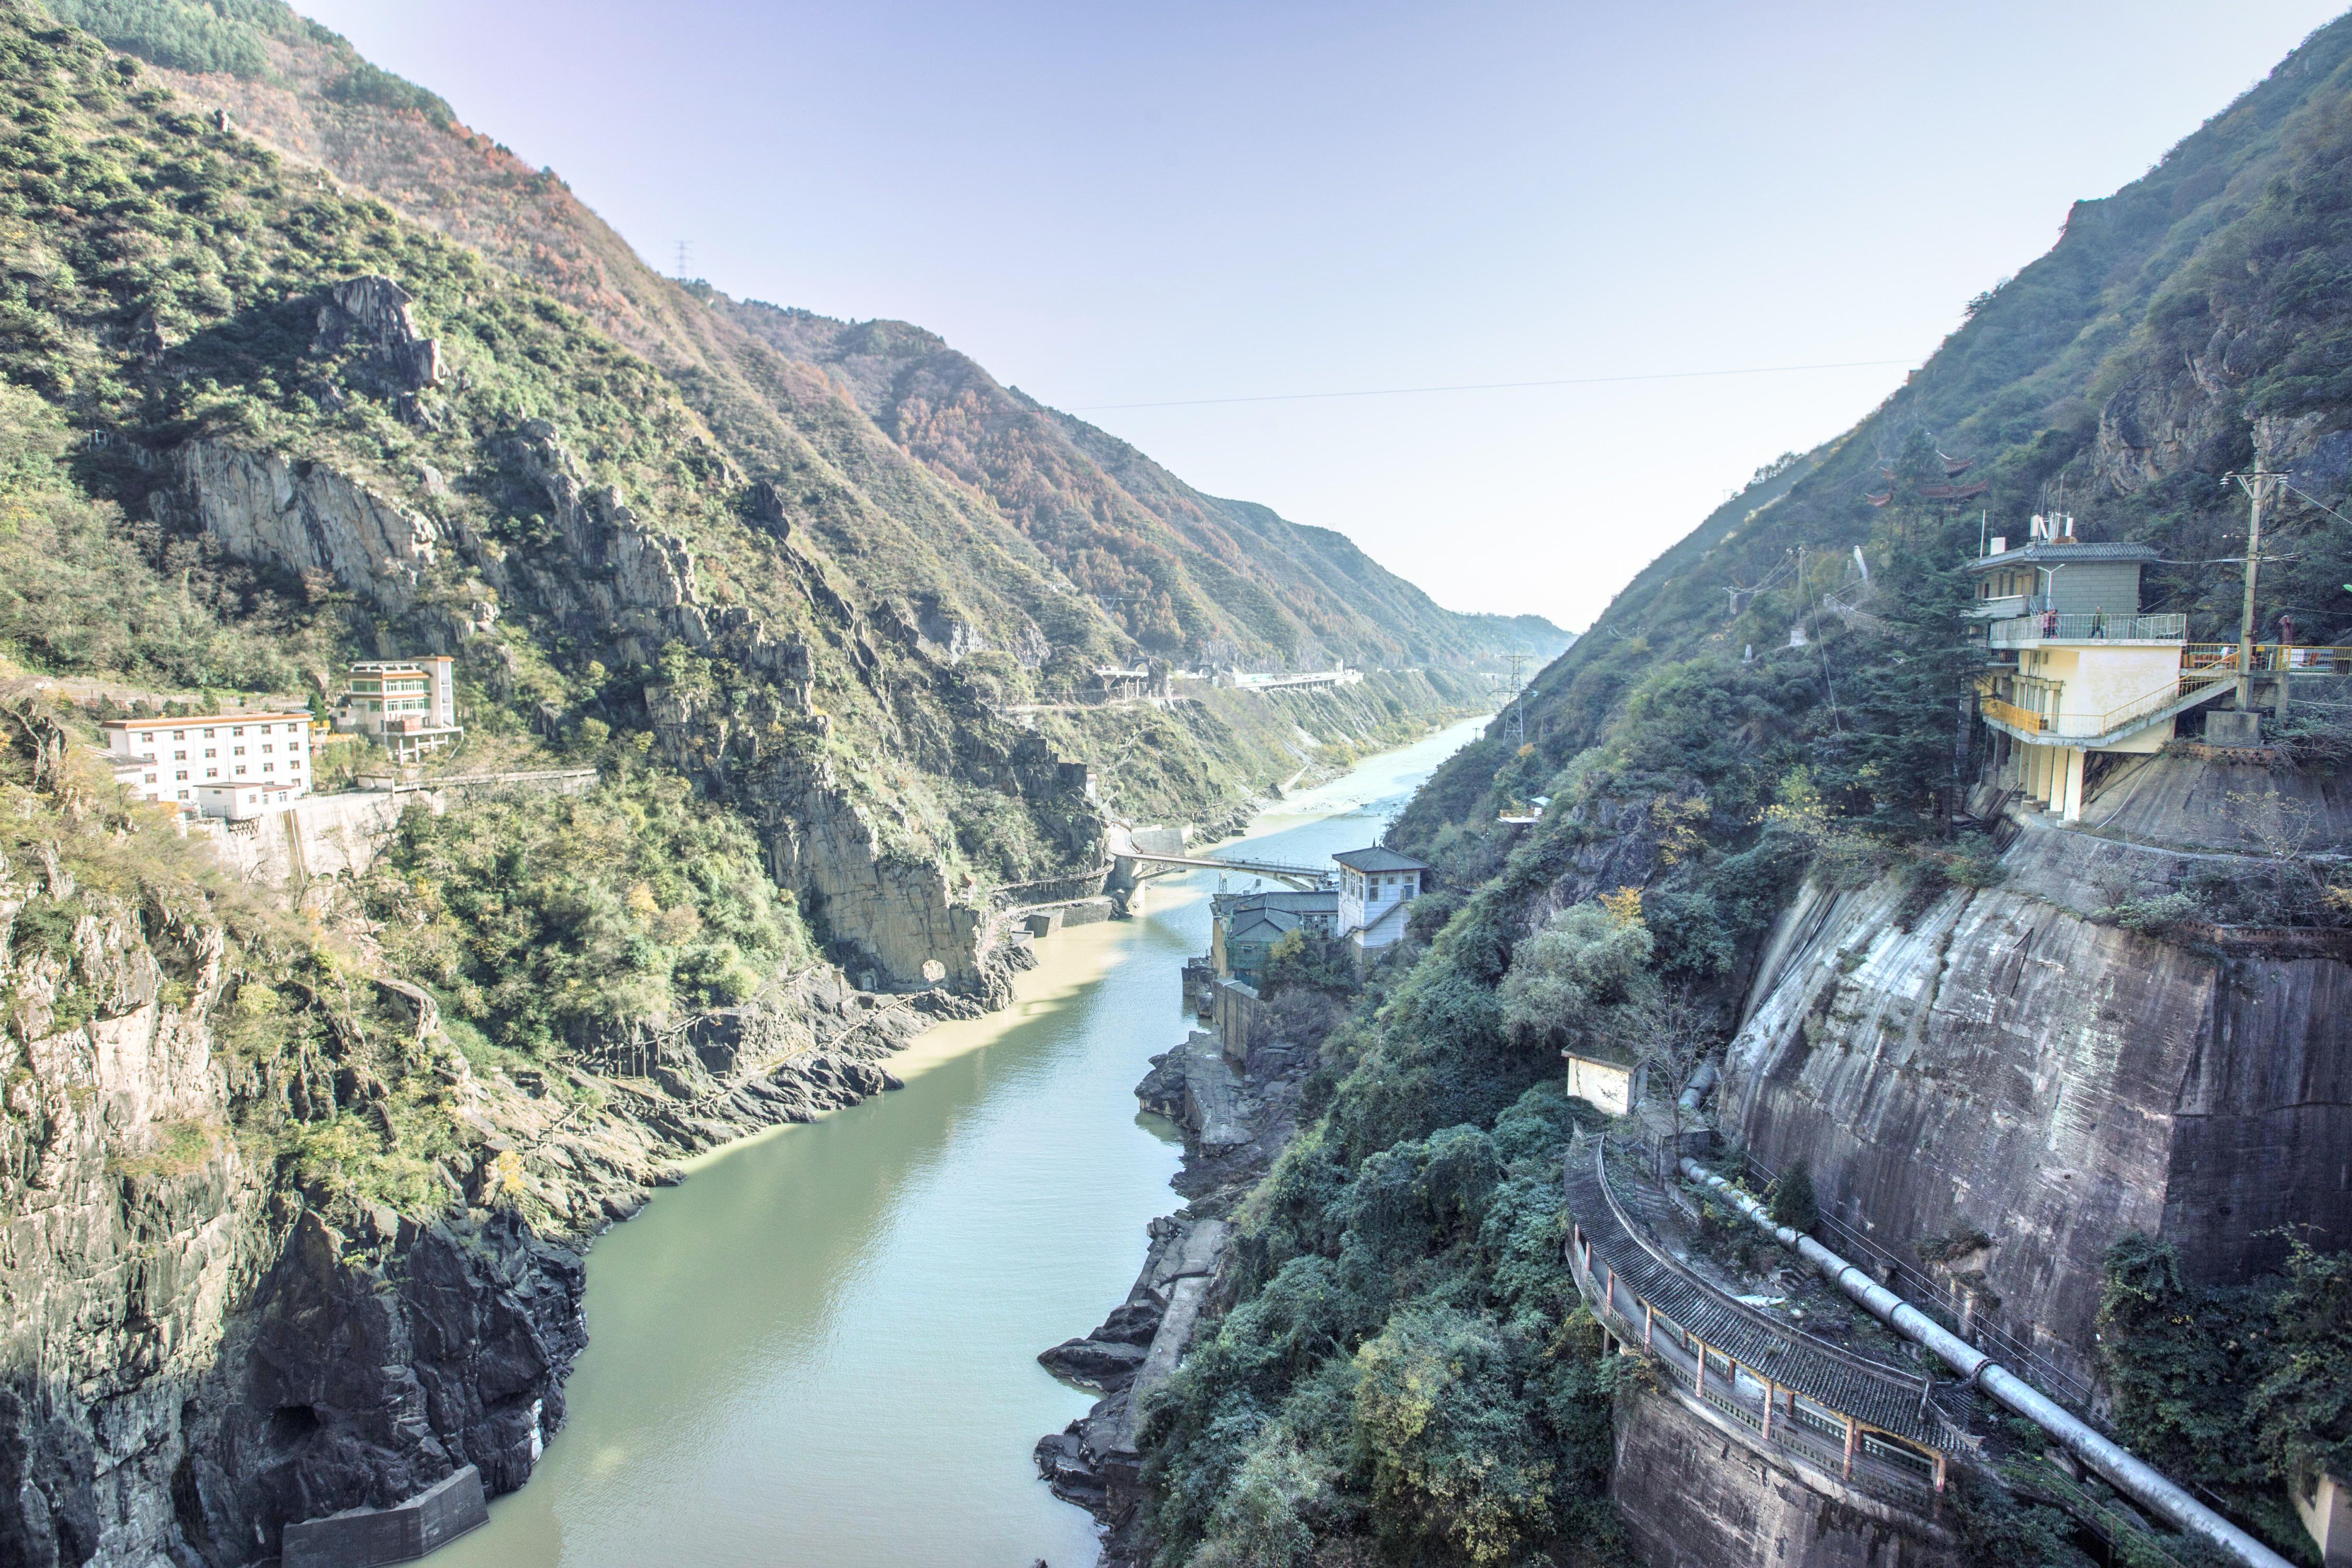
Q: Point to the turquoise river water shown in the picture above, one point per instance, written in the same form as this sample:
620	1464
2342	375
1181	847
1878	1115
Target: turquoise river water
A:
820	1350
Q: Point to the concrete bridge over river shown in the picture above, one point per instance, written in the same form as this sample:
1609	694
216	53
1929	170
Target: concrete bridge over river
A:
1139	853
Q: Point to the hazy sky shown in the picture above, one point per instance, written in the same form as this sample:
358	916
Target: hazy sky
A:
1119	203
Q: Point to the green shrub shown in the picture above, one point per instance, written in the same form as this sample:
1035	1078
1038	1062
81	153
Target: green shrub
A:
369	84
2242	1390
550	919
1584	959
228	36
1458	1466
1299	960
2158	914
1790	1200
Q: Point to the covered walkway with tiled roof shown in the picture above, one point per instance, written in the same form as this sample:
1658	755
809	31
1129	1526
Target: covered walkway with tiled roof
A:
1870	1424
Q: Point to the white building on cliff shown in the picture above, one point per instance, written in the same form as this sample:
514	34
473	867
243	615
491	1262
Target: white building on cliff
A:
1375	885
232	765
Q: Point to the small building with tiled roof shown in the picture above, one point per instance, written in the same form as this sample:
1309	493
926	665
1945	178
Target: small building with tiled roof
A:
1243	927
1375	886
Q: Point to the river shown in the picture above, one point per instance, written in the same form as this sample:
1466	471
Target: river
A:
820	1350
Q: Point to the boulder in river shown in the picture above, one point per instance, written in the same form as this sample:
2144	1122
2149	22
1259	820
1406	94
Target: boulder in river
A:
1105	1366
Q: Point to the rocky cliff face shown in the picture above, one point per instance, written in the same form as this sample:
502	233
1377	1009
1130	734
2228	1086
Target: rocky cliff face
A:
197	1350
1997	1090
132	1218
264	507
190	1355
360	1372
620	587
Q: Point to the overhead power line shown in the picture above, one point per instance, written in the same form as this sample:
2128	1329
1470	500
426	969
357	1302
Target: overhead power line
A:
1491	385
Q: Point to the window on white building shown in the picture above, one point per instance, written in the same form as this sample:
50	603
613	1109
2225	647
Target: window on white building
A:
182	777
237	751
150	778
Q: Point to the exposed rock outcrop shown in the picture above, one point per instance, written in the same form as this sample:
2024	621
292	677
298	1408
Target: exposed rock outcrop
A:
2175	416
191	1355
367	326
629	590
303	517
362	1377
2004	1067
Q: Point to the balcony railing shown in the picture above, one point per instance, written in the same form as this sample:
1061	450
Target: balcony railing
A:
2011	713
2122	718
2270	659
2096	626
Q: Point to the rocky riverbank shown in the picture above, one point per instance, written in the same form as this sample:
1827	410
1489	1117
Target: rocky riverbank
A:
1235	1118
200	1354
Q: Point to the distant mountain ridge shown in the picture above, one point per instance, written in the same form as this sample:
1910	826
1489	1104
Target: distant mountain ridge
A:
1183	570
1180	575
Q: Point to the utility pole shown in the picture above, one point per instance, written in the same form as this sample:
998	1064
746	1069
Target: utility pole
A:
2253	484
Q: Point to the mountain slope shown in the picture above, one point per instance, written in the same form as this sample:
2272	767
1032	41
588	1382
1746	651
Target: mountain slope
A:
2178	329
1181	579
1188	574
2074	1084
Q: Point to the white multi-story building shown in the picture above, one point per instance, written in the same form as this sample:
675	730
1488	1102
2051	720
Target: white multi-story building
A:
233	765
2073	669
1375	885
409	705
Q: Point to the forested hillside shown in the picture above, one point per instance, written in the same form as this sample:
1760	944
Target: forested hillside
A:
686	535
932	444
1404	1373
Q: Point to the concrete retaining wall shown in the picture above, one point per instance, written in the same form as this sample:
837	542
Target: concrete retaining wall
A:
1695	1497
1237	1014
1045	920
364	1537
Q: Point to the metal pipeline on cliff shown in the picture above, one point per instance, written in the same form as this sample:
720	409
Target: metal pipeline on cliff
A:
2130	1475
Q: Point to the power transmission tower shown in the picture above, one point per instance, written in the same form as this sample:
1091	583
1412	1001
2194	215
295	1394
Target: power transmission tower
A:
685	257
1514	725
